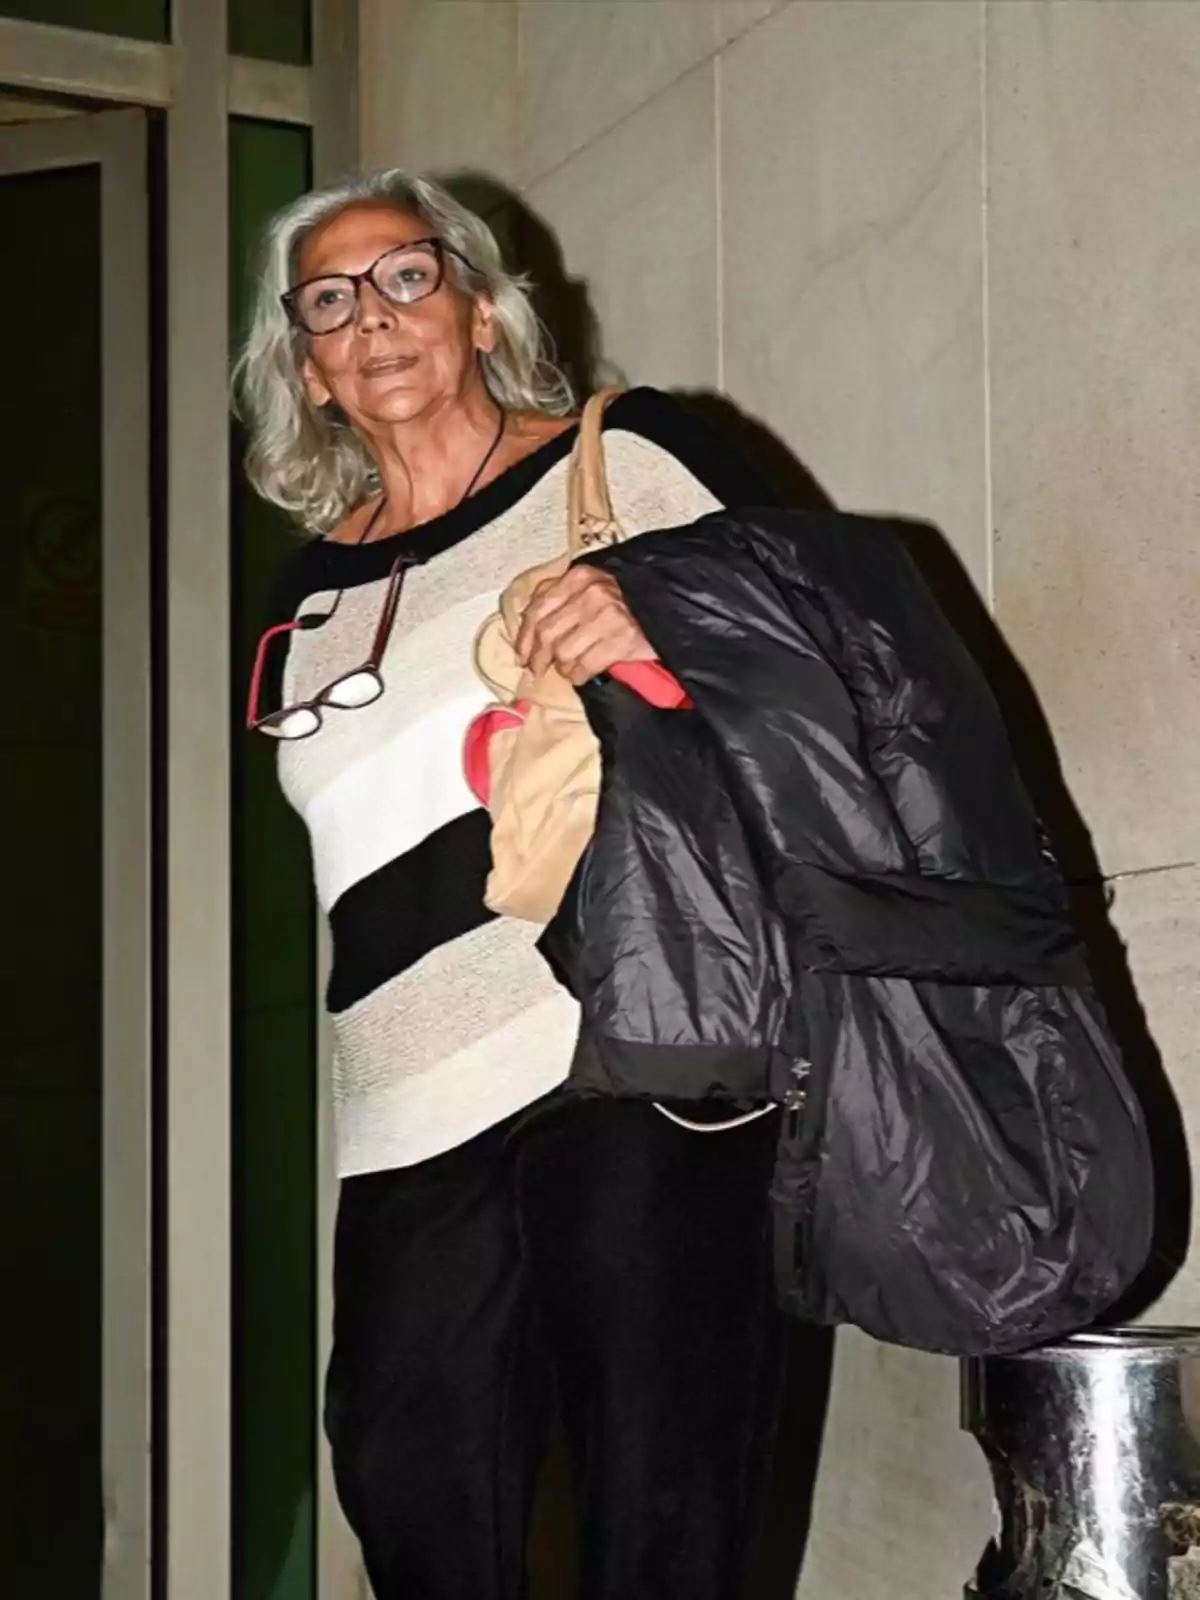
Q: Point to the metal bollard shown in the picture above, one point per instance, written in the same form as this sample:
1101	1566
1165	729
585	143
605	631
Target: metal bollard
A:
1094	1446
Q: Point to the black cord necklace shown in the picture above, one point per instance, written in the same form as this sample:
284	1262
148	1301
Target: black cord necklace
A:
467	492
314	619
491	451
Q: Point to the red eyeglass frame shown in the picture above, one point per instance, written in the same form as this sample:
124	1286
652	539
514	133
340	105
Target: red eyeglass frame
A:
324	697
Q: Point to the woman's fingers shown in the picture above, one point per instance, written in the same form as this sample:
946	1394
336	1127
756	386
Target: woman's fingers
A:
548	634
547	598
586	651
558	606
580	624
598	643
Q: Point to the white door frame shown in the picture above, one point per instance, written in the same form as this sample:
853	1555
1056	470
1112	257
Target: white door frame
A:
340	1573
102	66
199	85
115	142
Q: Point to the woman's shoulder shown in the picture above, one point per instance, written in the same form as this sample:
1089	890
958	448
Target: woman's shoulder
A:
302	572
707	449
653	414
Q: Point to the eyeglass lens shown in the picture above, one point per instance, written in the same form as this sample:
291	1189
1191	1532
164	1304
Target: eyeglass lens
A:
403	276
295	722
355	689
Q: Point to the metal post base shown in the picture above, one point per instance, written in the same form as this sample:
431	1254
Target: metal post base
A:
1094	1447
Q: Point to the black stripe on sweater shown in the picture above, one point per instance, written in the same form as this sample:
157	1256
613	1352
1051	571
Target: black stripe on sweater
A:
427	897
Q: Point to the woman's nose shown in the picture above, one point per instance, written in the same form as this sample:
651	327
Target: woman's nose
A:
373	310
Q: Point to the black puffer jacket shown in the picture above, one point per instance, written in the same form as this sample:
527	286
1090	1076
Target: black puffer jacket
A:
825	885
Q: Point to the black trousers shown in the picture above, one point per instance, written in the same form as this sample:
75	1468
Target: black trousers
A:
588	1253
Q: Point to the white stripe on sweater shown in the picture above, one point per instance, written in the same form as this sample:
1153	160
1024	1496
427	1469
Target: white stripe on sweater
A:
392	797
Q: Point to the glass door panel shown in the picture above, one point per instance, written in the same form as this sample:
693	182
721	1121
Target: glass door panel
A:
136	19
74	993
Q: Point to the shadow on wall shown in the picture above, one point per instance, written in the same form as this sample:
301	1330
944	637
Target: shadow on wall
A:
565	307
1071	840
564	304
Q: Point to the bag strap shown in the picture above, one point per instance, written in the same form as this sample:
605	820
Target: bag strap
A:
590	519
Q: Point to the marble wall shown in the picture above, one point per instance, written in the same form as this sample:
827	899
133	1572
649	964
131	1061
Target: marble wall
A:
946	251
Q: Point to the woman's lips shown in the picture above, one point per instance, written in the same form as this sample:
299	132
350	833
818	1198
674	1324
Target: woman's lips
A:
385	366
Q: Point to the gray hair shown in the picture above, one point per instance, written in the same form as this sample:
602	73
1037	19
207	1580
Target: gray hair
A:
309	460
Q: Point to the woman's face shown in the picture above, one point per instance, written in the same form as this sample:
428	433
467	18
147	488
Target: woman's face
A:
390	363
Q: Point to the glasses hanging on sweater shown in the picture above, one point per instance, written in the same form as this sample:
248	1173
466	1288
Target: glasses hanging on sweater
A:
359	687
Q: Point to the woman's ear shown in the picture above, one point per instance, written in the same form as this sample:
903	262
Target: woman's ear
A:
483	325
315	387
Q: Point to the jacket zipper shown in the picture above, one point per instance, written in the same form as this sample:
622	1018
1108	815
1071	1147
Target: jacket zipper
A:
795	1097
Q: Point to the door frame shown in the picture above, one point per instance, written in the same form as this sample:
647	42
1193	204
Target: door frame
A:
115	143
198	84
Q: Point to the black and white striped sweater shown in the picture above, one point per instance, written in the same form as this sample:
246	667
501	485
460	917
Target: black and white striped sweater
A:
446	1019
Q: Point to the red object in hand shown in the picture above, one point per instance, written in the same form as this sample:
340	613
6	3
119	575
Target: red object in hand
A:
655	685
648	679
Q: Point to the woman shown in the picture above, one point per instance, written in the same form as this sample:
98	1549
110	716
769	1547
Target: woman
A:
502	1246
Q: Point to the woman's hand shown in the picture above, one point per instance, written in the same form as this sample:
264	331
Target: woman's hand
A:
580	624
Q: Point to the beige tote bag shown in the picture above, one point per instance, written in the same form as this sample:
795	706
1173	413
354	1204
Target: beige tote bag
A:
543	761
